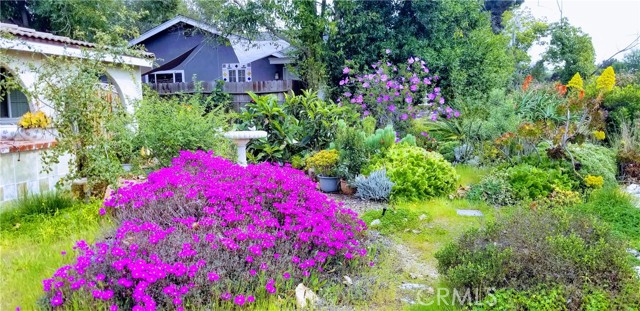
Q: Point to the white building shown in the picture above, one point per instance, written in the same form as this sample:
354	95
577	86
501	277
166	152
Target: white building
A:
21	50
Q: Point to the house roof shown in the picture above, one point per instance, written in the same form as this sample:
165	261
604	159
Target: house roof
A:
32	35
245	49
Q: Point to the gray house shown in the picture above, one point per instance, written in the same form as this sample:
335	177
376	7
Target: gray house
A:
186	48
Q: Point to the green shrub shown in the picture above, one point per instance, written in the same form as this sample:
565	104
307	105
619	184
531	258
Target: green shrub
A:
493	189
45	204
623	103
448	150
535	299
352	151
168	125
530	183
416	173
597	161
381	140
616	208
396	220
529	250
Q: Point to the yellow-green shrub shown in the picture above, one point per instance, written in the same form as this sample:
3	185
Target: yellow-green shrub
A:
417	174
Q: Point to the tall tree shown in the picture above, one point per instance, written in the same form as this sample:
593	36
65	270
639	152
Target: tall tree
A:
570	51
106	21
497	9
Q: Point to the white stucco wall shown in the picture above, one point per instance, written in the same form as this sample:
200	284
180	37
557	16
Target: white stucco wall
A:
21	172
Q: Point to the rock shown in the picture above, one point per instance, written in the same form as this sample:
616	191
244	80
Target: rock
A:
305	296
416	276
469	212
347	280
422	217
633	252
633	189
416	231
637	268
413	286
375	222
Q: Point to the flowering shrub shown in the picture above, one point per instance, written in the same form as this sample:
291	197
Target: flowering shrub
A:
324	162
594	181
395	94
206	232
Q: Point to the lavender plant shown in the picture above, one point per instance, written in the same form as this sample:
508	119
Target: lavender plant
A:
376	187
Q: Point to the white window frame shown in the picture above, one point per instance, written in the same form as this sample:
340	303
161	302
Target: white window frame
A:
228	68
146	76
14	119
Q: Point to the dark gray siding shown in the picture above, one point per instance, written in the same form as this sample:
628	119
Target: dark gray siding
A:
263	71
205	61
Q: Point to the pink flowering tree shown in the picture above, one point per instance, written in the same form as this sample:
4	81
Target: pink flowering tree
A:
396	93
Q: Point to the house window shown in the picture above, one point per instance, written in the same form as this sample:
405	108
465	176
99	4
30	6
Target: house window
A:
173	76
13	103
236	72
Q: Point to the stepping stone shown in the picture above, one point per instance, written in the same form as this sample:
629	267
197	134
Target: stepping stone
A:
469	212
413	286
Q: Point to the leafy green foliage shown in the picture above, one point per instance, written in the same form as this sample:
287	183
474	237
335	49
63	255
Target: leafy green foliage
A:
301	123
597	161
570	51
529	182
558	248
416	173
350	143
381	140
623	103
493	189
168	125
616	208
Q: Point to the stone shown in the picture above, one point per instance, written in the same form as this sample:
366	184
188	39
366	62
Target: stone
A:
375	222
469	212
422	217
633	189
305	296
347	280
416	276
637	268
413	286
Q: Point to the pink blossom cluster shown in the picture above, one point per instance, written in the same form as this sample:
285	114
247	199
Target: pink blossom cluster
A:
396	93
209	232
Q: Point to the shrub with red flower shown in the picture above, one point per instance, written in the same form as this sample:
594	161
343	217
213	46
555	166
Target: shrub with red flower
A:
209	232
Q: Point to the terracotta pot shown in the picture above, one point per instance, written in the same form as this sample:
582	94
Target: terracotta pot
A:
345	188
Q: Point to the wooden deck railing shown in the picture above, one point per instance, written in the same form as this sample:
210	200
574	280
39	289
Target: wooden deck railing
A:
239	88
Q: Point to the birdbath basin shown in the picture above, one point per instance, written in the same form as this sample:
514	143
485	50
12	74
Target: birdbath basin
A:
241	139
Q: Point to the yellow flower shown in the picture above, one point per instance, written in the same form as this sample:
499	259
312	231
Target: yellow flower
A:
594	181
607	80
576	82
599	135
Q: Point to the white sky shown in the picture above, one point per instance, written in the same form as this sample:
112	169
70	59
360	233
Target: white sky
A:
612	24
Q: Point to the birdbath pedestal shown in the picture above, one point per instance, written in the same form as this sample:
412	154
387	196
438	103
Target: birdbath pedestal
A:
241	139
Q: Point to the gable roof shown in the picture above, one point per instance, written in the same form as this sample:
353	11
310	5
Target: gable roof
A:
246	50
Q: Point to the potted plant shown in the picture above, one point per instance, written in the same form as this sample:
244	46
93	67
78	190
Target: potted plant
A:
324	163
345	187
32	126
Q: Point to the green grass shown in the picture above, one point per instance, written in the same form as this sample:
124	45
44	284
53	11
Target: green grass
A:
470	175
441	226
30	250
25	208
616	208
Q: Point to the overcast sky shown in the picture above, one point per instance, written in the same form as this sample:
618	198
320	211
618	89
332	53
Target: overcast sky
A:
612	24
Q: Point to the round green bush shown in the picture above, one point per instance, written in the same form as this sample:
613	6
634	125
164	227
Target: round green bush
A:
529	250
597	161
530	182
417	174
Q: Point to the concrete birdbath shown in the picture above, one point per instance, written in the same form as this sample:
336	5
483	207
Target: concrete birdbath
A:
241	139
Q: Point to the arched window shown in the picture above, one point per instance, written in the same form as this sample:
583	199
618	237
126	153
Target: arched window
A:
13	103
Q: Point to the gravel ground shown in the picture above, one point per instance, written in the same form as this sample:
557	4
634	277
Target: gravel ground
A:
357	205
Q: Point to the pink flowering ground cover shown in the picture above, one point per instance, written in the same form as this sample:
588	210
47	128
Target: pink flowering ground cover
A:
207	232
